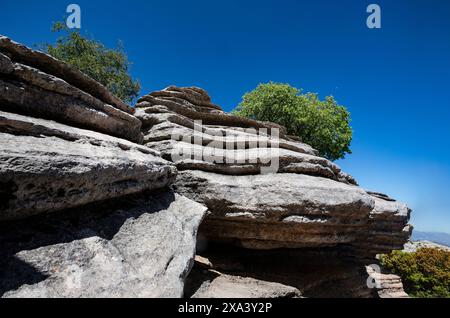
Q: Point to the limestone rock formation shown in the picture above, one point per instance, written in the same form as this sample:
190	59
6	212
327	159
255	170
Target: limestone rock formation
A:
228	286
33	83
413	246
265	189
101	200
47	166
388	228
386	285
84	210
279	210
227	144
141	246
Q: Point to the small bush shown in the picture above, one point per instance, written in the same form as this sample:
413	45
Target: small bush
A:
323	124
109	67
425	273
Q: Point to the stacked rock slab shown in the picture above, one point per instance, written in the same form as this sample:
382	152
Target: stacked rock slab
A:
46	166
34	83
387	226
85	211
265	189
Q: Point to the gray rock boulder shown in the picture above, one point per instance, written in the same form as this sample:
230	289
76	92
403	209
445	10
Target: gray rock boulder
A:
68	146
50	65
206	281
278	210
46	166
387	227
85	210
141	246
38	85
229	286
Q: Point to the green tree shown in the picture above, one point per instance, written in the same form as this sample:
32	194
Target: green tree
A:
109	67
425	273
323	124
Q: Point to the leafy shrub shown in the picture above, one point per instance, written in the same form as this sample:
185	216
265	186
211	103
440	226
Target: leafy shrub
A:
107	66
323	124
425	273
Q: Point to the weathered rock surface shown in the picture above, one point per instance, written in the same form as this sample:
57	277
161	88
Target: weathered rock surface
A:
46	166
279	210
36	84
224	143
302	227
184	104
141	246
229	286
387	227
67	146
50	65
265	189
386	285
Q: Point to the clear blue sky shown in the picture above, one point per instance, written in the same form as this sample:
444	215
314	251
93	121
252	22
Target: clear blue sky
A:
395	81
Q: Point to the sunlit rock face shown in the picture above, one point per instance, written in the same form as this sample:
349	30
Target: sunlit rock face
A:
36	84
263	188
98	199
85	208
140	246
47	166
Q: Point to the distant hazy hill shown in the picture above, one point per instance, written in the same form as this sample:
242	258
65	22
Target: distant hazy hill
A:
440	238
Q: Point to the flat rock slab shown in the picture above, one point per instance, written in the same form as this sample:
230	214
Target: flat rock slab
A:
256	160
229	286
140	246
50	65
46	167
278	210
31	91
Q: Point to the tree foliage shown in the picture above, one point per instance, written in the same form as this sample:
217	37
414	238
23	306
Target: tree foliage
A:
323	124
109	67
425	273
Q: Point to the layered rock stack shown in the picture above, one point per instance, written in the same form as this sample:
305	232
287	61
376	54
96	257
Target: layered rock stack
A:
264	189
69	147
98	199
